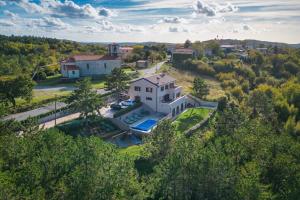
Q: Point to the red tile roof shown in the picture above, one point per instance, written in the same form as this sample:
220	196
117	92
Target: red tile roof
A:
72	67
90	58
184	51
160	79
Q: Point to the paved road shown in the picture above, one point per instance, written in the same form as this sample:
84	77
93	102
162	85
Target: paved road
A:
50	107
33	113
152	70
54	88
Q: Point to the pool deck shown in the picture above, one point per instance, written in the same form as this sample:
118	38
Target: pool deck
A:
157	117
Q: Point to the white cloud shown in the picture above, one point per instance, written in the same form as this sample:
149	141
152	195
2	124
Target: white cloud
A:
213	9
172	20
10	14
6	23
106	12
48	22
177	29
65	8
2	3
247	27
28	6
202	8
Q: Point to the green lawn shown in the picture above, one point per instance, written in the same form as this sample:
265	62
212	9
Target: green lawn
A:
42	96
190	118
98	83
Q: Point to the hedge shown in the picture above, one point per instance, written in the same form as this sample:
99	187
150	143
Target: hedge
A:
128	109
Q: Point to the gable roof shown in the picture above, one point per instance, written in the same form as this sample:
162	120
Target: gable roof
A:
90	57
183	51
158	79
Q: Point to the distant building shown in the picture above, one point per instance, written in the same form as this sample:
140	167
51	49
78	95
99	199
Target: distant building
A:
125	52
208	52
142	63
89	65
116	50
182	54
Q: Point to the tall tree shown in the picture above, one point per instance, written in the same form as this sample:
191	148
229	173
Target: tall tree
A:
200	87
117	82
85	100
187	44
20	87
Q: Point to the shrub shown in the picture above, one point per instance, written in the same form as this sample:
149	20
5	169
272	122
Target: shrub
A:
128	109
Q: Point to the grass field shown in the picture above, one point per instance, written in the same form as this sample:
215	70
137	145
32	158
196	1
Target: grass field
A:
40	96
185	79
190	118
97	83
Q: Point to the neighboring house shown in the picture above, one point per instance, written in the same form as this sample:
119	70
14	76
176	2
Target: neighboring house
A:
142	63
208	52
160	93
124	52
89	65
116	50
182	54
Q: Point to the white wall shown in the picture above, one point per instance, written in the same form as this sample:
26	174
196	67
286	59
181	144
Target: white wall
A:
97	67
143	94
71	75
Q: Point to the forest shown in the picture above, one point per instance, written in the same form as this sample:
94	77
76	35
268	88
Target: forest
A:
249	149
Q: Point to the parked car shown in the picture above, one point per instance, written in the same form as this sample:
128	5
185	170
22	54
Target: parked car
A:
115	106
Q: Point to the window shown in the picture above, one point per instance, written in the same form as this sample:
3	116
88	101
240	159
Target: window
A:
105	65
148	98
171	85
148	89
162	88
181	107
137	88
64	67
166	87
178	95
173	112
73	72
177	110
88	66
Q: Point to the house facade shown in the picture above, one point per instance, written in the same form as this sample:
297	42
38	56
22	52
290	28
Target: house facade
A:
89	65
160	93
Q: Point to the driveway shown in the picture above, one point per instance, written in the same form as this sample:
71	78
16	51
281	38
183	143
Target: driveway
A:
152	70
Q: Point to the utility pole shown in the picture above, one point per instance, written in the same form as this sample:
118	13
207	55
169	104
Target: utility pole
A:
55	110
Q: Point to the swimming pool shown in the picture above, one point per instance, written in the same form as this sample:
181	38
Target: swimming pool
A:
146	125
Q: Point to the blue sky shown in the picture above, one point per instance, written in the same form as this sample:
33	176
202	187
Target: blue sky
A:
152	20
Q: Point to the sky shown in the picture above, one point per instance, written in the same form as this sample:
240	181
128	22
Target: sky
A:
152	20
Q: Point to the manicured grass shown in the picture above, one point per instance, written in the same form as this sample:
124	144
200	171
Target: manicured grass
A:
190	118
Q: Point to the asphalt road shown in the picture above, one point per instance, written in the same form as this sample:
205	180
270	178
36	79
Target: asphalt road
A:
50	107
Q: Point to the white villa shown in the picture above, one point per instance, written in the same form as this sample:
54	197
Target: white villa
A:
160	93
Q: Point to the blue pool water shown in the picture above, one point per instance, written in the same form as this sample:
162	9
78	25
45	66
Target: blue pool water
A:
146	125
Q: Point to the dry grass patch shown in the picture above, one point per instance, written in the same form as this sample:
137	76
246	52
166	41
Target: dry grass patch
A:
185	79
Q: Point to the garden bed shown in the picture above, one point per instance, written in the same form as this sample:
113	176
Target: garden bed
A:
96	126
